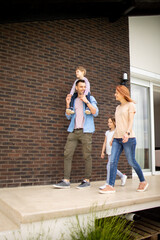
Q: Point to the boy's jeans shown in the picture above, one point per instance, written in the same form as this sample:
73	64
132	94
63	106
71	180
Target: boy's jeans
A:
129	149
71	144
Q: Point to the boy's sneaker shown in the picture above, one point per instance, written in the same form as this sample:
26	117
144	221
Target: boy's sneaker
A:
69	111
103	186
62	184
123	180
87	111
84	184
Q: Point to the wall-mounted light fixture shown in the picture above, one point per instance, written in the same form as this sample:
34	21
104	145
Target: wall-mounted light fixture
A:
124	79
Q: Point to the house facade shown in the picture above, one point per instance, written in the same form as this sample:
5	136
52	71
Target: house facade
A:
40	46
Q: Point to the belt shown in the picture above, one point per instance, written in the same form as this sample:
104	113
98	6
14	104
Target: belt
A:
78	129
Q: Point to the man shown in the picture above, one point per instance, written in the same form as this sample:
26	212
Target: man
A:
81	129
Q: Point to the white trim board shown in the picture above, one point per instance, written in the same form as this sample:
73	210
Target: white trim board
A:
145	75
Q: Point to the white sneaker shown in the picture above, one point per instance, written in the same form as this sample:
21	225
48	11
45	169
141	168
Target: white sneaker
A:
103	186
123	180
69	111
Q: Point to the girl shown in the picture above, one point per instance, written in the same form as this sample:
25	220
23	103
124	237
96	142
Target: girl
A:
107	146
124	138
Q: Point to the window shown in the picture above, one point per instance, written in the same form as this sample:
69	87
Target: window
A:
141	125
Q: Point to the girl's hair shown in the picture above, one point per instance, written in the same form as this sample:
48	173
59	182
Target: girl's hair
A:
82	69
113	120
125	93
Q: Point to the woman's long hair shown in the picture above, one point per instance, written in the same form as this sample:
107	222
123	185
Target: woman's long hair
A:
124	91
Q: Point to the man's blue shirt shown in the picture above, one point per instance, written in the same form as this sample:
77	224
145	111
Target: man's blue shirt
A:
88	126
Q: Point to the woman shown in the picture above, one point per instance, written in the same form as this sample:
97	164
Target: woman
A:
124	138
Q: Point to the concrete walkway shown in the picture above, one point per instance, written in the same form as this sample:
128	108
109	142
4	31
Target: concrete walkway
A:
36	203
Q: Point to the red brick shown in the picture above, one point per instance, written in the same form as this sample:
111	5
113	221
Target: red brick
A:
38	61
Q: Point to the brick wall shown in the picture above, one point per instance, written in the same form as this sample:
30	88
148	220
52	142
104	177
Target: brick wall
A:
37	70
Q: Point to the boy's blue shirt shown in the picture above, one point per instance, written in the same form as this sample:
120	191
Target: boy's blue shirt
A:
89	126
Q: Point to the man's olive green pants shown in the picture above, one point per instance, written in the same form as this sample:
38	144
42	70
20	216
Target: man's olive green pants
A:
71	144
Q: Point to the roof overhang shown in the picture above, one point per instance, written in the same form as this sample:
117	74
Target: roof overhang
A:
35	10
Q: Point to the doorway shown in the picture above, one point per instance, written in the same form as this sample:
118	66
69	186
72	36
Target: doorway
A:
156	97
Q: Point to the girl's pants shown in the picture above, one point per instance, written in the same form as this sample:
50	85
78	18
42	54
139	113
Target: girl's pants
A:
108	170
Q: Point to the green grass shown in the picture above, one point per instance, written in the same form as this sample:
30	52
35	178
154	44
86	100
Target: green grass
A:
111	228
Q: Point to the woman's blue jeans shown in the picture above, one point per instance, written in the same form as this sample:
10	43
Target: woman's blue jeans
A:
129	149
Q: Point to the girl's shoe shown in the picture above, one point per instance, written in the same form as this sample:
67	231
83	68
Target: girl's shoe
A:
108	189
103	186
142	187
123	180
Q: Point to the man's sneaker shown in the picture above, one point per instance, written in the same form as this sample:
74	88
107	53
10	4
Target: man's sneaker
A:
103	186
84	184
62	184
69	111
123	180
107	189
87	111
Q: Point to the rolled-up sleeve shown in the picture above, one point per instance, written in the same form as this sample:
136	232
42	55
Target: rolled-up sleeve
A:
94	104
68	116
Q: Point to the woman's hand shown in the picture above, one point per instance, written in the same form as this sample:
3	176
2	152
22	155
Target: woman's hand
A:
102	155
125	138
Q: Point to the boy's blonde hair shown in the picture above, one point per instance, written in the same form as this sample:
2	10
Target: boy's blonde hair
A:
82	69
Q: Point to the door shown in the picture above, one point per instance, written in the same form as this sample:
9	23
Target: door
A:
141	125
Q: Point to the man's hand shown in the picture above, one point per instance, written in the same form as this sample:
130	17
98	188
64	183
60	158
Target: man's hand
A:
89	105
68	99
83	98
